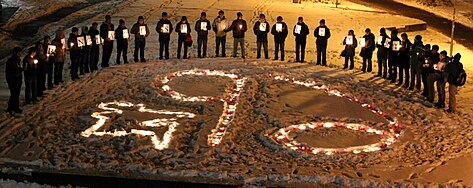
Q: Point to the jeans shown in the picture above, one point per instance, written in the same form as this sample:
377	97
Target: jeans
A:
441	82
265	47
58	68
322	54
75	63
415	77
202	45
107	53
15	90
370	64
139	46
220	41
240	41
431	79
392	69
300	49
163	48
382	67
85	65
403	70
352	62
181	42
94	57
122	50
279	46
425	82
452	100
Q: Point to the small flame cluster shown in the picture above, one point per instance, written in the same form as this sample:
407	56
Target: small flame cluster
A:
230	101
160	122
388	137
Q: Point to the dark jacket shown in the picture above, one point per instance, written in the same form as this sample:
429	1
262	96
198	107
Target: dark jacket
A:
178	29
237	31
394	55
119	36
382	50
279	36
72	44
198	27
417	54
13	70
164	36
322	40
367	51
93	32
404	54
104	28
304	32
350	49
29	67
261	36
136	31
453	69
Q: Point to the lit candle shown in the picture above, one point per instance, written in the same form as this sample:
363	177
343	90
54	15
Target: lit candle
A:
241	26
35	61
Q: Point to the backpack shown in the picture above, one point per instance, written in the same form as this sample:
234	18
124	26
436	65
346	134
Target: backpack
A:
461	77
188	40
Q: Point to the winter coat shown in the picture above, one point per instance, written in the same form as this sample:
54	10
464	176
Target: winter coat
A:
136	31
404	54
14	70
394	55
417	51
237	31
29	67
350	49
93	32
60	55
279	36
382	50
104	29
261	36
164	36
367	51
219	25
453	69
301	37
322	40
72	44
178	29
198	27
119	36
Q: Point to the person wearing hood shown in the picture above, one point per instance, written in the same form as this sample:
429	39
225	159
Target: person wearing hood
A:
41	69
202	27
59	57
404	58
95	49
29	67
393	55
322	33
261	30
417	55
301	30
183	28
141	31
122	42
382	53
164	29
85	52
350	43
75	53
49	63
367	51
453	71
13	74
105	29
219	25
238	28
438	75
279	30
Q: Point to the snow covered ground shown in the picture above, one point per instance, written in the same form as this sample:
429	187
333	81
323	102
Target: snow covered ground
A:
430	150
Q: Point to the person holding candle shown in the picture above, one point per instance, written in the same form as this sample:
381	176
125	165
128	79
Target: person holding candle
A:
183	28
393	55
438	75
322	33
202	27
41	69
60	56
261	30
85	53
122	42
417	54
404	59
105	28
164	29
219	25
427	67
29	67
350	43
141	31
301	30
75	53
367	50
13	74
238	28
279	30
382	53
95	49
49	63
